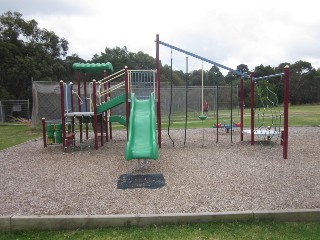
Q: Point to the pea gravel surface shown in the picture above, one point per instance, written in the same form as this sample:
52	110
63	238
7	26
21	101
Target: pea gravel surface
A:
200	176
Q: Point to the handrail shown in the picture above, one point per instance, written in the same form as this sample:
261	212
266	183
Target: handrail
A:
111	77
111	89
149	75
100	93
109	80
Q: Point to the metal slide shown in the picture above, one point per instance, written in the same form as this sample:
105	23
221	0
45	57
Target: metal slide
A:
142	137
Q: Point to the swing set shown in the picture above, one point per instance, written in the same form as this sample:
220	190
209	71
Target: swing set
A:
202	117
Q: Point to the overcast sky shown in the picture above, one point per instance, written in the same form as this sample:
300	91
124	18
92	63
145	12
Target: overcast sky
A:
230	32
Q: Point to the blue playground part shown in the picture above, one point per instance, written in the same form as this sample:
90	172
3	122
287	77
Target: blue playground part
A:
226	126
67	98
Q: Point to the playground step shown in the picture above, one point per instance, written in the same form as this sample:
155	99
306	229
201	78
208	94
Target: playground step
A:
113	102
119	119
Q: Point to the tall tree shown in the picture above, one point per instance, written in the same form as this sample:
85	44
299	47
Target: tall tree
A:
243	68
141	60
231	76
304	83
118	57
177	76
271	85
196	78
28	52
68	63
261	71
215	77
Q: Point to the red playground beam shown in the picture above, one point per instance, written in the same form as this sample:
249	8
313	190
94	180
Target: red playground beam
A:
286	112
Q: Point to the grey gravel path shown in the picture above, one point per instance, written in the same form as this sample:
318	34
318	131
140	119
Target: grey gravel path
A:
221	176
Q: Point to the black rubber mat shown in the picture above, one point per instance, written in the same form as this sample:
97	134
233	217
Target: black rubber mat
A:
152	181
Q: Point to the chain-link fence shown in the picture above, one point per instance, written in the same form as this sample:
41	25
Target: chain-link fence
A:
191	96
13	110
46	99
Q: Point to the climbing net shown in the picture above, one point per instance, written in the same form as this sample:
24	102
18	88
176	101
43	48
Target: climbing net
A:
268	114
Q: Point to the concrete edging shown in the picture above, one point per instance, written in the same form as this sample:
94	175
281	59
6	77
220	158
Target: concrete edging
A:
68	222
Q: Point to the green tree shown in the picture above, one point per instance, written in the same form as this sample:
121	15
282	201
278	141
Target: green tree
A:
304	83
243	68
28	52
118	57
215	77
68	63
231	76
246	93
141	60
177	76
316	88
261	71
268	88
196	78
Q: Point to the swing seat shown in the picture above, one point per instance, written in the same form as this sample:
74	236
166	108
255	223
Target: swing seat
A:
237	124
202	117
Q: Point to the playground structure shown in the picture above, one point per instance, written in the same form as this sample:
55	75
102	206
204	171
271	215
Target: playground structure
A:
100	104
268	117
253	131
94	110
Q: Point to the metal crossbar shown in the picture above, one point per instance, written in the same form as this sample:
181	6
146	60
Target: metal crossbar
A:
269	76
204	59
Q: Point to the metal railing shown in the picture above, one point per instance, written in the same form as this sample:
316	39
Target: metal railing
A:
104	87
142	83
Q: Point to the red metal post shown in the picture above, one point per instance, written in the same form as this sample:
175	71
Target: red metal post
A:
101	129
241	109
252	109
44	132
158	91
79	103
85	102
63	121
95	117
286	112
105	74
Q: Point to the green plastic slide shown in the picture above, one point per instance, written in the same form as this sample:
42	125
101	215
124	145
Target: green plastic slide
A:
113	102
119	119
142	135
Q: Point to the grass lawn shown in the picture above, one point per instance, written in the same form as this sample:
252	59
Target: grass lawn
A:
249	230
15	134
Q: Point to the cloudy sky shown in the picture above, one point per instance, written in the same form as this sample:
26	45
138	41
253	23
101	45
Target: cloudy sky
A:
228	32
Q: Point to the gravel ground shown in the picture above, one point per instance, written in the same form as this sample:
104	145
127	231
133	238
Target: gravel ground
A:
221	176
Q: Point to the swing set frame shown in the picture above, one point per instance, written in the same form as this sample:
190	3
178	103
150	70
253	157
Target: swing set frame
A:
284	132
